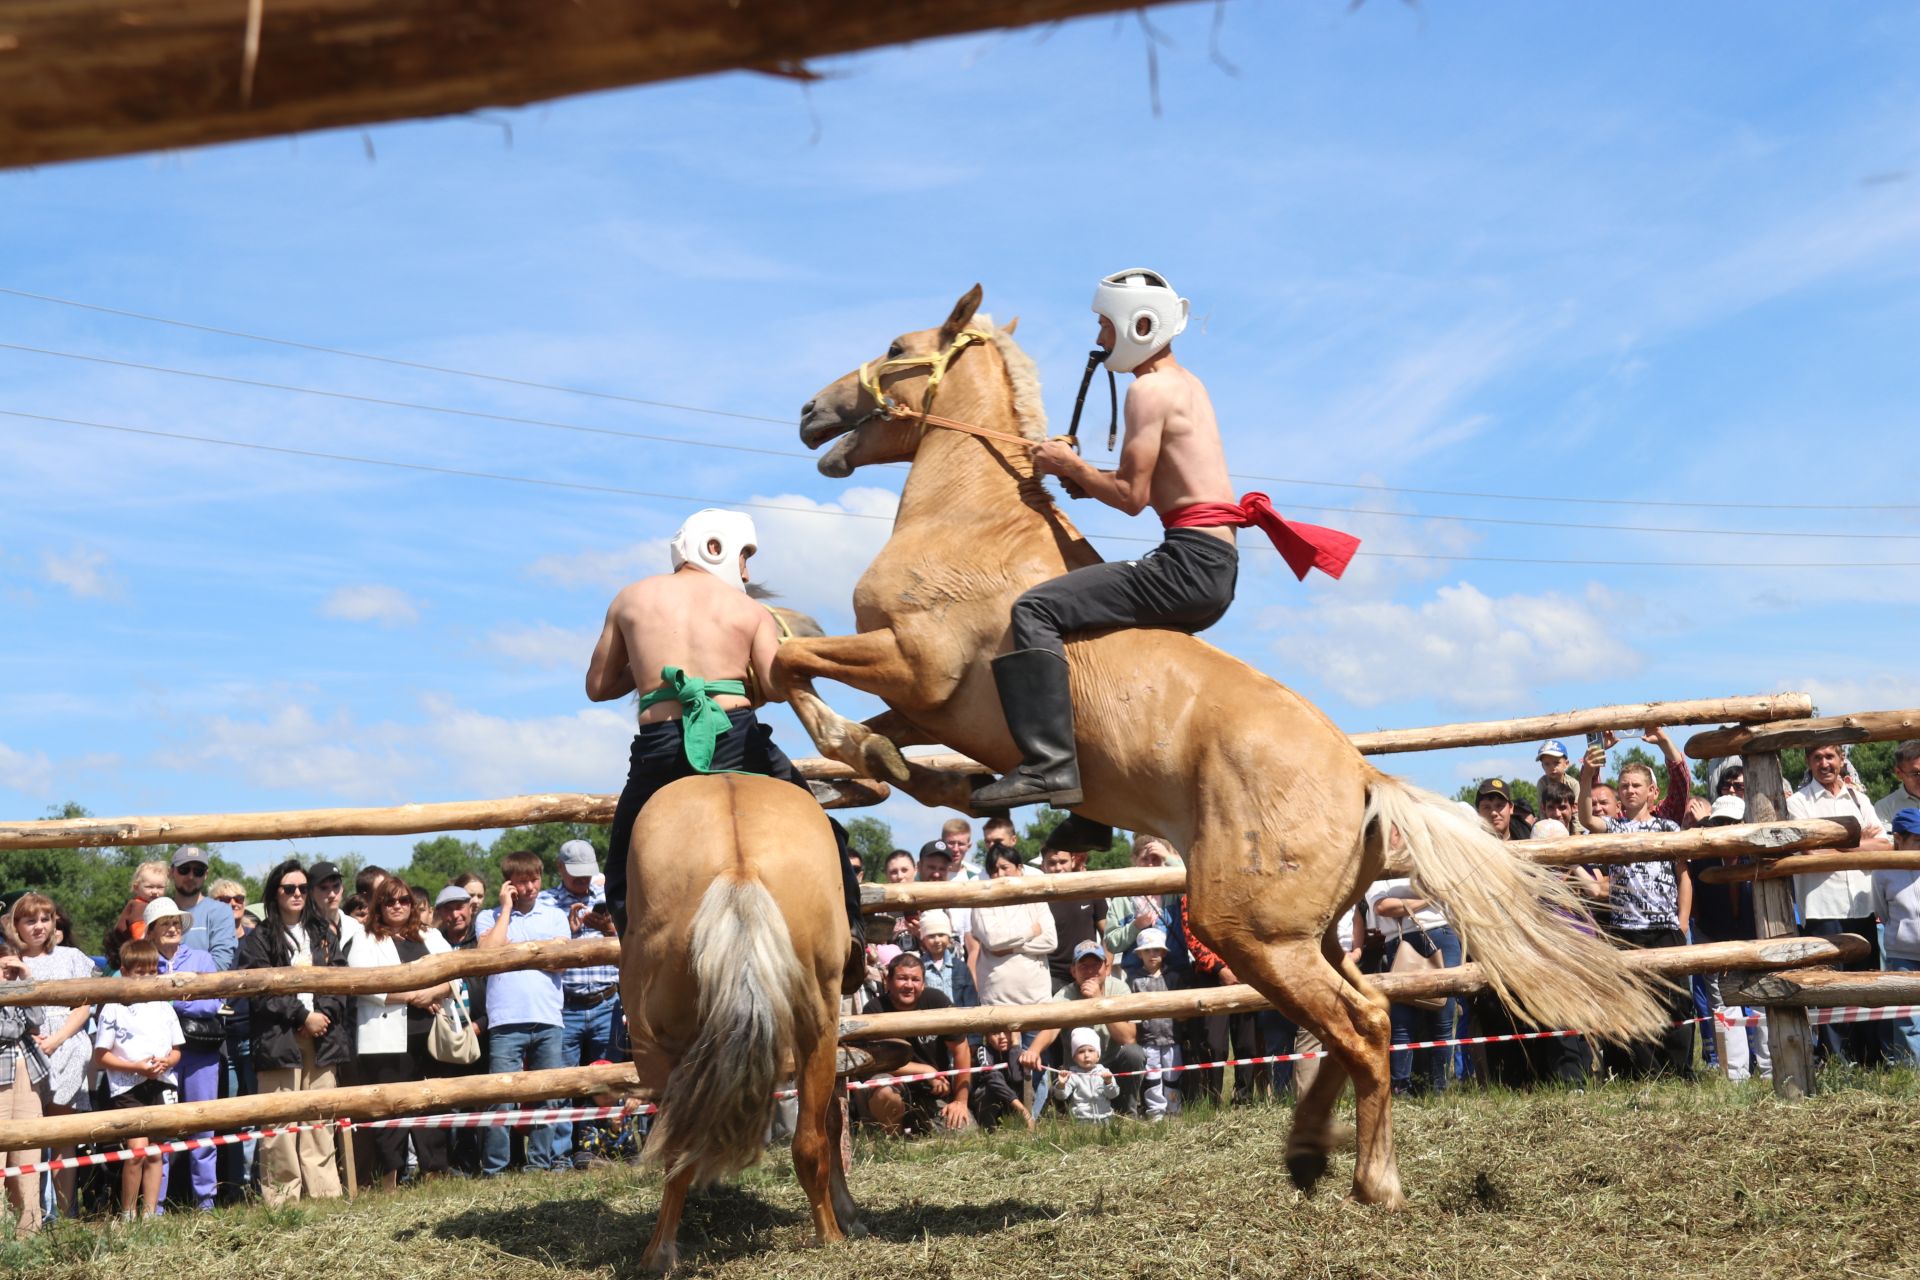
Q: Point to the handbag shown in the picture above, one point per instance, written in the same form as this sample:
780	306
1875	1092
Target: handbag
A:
451	1039
1407	959
202	1032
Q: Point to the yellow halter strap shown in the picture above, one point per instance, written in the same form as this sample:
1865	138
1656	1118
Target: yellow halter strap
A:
873	370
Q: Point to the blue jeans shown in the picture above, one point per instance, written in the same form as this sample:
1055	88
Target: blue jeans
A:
1411	1024
586	1035
520	1046
1903	1033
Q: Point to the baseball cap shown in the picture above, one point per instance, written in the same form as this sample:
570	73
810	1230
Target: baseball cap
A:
1493	787
1552	747
189	853
1727	809
1907	822
935	922
452	893
321	872
937	848
577	859
160	909
1151	940
1086	947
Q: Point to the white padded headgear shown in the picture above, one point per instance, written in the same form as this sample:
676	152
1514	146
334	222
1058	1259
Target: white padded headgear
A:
733	530
1126	298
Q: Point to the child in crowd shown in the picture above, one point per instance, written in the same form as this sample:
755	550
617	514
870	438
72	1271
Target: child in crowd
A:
998	1081
1089	1089
1156	1034
355	907
618	1139
138	1046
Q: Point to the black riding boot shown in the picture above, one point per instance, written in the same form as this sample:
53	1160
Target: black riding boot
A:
1039	709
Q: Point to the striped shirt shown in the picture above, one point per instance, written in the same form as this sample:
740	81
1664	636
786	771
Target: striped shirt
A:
592	977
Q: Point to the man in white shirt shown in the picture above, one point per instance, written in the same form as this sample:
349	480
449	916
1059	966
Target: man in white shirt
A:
1841	901
1906	767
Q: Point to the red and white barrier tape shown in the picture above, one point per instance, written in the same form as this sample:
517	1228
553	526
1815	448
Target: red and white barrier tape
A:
160	1148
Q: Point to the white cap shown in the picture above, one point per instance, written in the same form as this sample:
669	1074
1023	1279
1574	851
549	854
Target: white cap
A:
1729	808
159	909
935	922
1128	298
1550	829
733	530
1084	1038
1151	940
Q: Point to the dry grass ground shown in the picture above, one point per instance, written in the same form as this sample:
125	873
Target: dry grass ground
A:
1698	1181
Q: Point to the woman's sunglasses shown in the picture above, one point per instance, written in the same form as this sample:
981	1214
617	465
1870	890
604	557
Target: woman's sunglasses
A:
291	889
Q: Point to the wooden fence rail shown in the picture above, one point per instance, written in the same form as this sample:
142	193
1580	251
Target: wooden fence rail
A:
1868	726
370	1102
837	784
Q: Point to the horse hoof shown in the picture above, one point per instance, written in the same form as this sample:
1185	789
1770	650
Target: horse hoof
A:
1306	1168
884	761
857	1230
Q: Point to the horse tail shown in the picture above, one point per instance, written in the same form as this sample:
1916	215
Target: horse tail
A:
1517	918
753	993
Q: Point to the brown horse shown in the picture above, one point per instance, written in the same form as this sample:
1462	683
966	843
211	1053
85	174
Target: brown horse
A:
1283	823
730	974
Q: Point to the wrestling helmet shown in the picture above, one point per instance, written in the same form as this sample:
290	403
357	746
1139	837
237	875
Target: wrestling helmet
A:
1134	300
733	530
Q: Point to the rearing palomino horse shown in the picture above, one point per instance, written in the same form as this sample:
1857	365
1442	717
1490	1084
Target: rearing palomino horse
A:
1283	823
730	975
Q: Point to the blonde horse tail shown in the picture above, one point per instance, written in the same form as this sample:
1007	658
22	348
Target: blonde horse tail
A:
1517	918
753	992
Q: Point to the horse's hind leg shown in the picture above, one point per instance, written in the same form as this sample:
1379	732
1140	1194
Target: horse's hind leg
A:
1352	1024
662	1253
813	1145
844	1207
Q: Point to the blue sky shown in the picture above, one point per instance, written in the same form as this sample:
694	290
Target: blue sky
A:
1624	252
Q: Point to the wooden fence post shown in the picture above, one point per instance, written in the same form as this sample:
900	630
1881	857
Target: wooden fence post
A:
1788	1035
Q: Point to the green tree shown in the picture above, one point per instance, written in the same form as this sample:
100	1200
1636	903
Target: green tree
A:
872	839
438	860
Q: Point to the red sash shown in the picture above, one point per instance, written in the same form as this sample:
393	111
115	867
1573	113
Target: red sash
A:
1303	546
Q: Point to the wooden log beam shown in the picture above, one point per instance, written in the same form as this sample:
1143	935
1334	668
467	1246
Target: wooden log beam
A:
1633	715
1669	962
1829	988
361	1102
919	895
1739	840
234	983
1868	726
105	77
1813	864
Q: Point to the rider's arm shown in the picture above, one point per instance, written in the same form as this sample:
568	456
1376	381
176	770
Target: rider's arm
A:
610	674
1129	486
766	642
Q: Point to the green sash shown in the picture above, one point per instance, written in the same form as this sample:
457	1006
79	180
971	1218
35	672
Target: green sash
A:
702	720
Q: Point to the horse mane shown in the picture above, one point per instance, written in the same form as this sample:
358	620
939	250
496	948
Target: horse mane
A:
1024	377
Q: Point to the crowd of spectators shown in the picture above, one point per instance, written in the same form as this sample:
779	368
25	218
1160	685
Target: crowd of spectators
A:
56	1059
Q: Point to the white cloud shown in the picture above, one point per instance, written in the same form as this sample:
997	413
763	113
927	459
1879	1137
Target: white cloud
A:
608	568
456	751
388	606
29	774
1844	695
543	645
81	571
1461	646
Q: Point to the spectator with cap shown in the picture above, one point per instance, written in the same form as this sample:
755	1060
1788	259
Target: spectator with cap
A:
936	865
944	971
200	1028
1724	913
1120	1051
525	1026
328	888
1494	803
1088	1087
1158	1042
1835	902
209	924
453	909
1906	790
1896	899
1556	767
589	994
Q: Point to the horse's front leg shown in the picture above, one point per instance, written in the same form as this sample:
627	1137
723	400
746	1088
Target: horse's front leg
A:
870	661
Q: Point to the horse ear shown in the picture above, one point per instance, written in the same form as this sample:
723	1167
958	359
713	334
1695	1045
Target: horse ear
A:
1010	325
962	312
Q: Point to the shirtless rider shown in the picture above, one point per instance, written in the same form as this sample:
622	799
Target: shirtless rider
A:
697	643
1172	460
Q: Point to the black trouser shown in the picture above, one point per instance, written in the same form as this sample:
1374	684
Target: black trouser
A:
1861	1043
1671	1052
389	1146
1521	1064
659	756
1185	583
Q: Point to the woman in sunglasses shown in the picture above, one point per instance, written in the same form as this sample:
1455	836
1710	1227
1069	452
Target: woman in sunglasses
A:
299	1042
